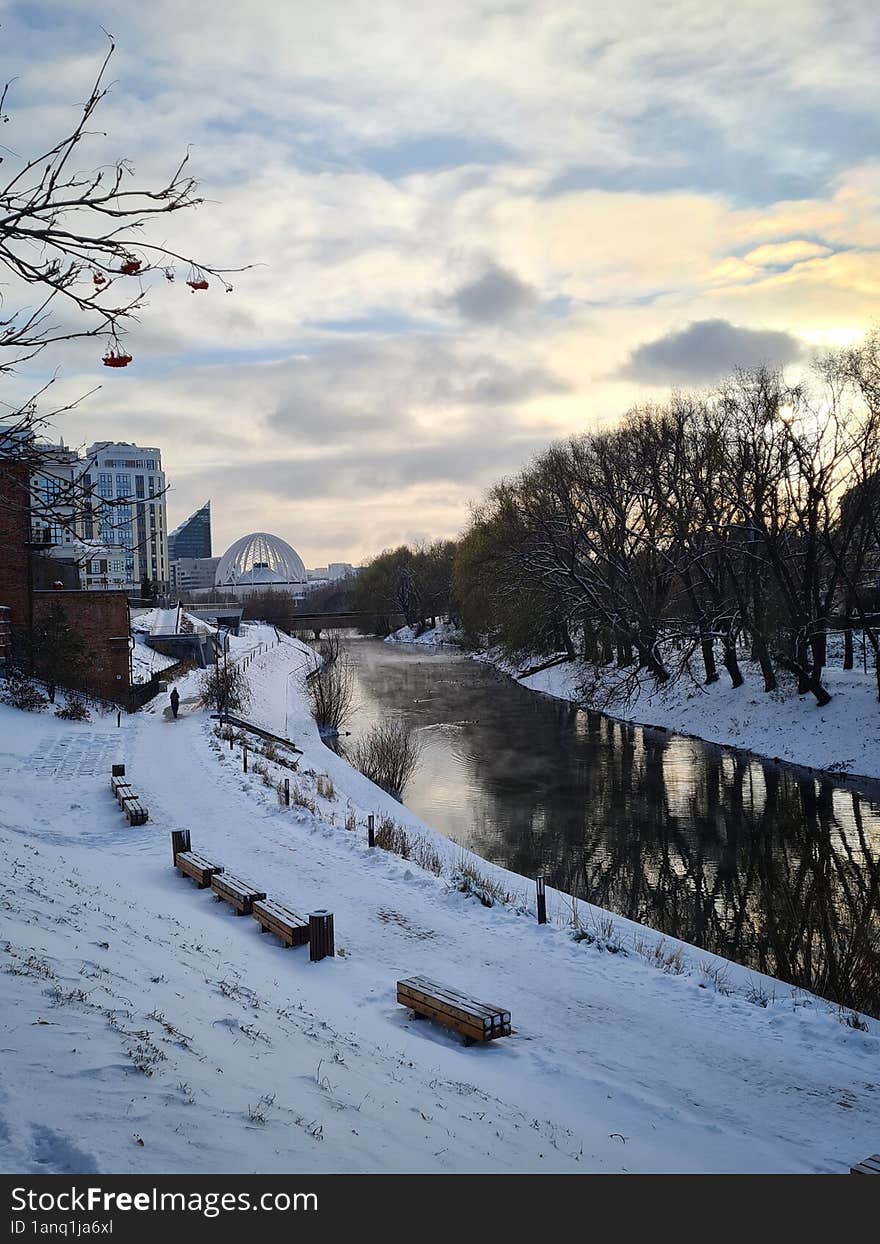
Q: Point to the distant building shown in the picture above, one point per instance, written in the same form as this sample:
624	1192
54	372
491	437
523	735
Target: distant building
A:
192	537
131	478
331	573
59	508
261	562
193	574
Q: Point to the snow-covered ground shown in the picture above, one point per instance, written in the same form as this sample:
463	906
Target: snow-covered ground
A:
443	635
147	1029
843	737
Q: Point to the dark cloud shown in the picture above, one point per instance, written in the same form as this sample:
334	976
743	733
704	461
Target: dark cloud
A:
496	295
707	350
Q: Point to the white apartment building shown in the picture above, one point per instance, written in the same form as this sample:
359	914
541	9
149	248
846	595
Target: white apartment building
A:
58	509
131	477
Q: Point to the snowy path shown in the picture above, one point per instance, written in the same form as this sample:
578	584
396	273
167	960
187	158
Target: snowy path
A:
614	1065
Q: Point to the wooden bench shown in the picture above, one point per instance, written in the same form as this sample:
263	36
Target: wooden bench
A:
289	926
240	895
135	811
197	867
121	788
476	1021
870	1166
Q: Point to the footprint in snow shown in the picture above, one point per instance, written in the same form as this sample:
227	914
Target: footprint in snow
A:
58	1155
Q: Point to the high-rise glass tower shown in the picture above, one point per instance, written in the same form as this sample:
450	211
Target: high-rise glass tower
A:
192	538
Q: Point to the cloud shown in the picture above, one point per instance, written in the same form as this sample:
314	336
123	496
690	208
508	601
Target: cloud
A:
708	349
784	254
606	171
496	295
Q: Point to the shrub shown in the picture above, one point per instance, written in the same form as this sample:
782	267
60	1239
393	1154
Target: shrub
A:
325	786
75	708
20	691
657	954
467	878
301	799
225	688
392	837
388	756
331	694
422	851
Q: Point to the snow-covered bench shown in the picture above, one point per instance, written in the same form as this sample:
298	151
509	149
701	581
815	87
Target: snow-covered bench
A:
289	926
870	1166
120	786
476	1021
135	810
240	895
197	867
128	801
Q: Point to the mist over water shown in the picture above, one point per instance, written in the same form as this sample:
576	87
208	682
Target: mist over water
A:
760	862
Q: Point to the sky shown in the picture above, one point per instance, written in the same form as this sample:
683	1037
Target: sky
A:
476	226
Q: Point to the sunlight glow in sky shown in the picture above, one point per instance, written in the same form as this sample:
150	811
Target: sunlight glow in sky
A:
480	225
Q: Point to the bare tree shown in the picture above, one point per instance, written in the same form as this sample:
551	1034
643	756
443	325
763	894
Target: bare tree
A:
80	262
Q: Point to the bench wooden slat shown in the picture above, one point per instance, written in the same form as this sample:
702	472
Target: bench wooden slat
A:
272	908
454	995
433	989
197	867
289	926
238	893
469	1029
136	812
870	1166
417	999
478	1021
193	857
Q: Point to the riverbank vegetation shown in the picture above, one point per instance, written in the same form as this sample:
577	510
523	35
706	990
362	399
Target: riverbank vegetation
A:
388	756
415	581
741	522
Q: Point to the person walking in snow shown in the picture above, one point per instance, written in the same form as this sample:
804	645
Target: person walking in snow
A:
175	701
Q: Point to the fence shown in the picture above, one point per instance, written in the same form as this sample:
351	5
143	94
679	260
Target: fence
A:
140	693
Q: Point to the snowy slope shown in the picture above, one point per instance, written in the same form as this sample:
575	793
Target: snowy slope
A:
134	1006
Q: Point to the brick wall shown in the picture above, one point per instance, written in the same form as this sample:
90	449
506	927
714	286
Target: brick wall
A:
15	535
102	620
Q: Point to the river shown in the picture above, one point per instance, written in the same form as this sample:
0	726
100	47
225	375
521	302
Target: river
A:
757	861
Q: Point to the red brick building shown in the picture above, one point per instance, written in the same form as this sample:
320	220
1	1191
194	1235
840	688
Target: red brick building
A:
100	617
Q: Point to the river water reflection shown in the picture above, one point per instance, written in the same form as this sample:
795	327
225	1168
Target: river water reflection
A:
759	862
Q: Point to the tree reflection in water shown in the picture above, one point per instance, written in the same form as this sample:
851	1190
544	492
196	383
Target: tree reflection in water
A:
758	862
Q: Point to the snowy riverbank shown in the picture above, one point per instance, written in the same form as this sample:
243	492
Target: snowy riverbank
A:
135	1008
841	738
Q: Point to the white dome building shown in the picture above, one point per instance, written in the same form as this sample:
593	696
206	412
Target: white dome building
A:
261	562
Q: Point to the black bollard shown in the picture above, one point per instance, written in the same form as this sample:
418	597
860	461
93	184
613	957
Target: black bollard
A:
287	792
371	830
542	901
244	757
118	718
321	940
